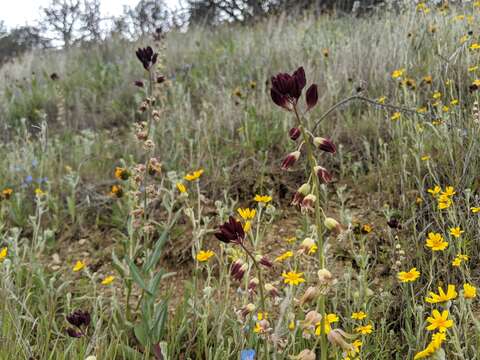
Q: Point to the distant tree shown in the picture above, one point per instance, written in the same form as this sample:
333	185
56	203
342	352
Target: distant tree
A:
19	40
62	18
91	20
148	16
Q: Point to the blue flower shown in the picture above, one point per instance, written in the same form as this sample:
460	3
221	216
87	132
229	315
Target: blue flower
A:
28	179
247	354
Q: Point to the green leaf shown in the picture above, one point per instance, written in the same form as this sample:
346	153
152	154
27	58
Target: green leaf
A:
137	277
141	334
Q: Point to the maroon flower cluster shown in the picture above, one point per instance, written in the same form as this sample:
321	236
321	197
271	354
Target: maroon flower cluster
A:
147	57
80	319
231	231
285	92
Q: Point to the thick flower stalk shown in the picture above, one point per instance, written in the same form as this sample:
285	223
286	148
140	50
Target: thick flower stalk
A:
285	92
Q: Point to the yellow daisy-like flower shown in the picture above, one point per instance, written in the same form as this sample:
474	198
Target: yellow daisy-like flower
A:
7	193
364	330
194	175
436	242
262	198
473	68
442	297
108	280
293	278
408	276
329	319
359	315
3	254
203	256
435	190
434	345
469	291
437	95
454	102
459	259
425	158
121	173
398	73
247	213
439	321
181	188
79	265
475	209
381	99
444	204
422	110
39	192
284	256
395	116
456	232
475	46
449	191
247	226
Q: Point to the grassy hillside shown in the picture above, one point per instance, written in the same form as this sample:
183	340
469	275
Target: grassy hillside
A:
102	210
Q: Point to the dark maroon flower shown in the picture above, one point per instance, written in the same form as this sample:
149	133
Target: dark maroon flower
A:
325	144
263	260
147	57
308	203
54	76
252	284
323	174
287	89
79	318
300	194
294	133
160	79
231	231
312	96
290	160
138	83
238	269
73	333
394	223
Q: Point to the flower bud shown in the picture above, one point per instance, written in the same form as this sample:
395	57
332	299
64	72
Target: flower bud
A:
325	277
308	202
312	96
308	245
306	354
300	194
337	337
271	290
138	83
294	133
263	260
238	269
332	225
247	309
323	174
252	284
325	144
310	295
290	160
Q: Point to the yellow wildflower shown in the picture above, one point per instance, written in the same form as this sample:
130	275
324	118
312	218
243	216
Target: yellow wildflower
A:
3	253
203	256
108	280
247	214
395	116
194	175
408	276
181	188
469	291
293	278
436	242
435	191
439	321
359	315
456	232
284	256
364	330
79	265
262	198
442	297
398	73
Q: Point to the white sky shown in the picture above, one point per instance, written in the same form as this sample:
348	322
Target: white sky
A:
23	12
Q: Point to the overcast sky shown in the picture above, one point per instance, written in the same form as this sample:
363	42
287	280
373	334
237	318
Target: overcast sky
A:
22	12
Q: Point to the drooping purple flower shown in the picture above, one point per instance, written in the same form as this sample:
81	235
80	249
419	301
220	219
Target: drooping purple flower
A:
231	231
325	144
312	96
79	318
73	333
290	160
323	174
294	133
287	89
147	57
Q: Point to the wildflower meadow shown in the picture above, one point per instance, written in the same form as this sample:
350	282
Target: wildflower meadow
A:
305	187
